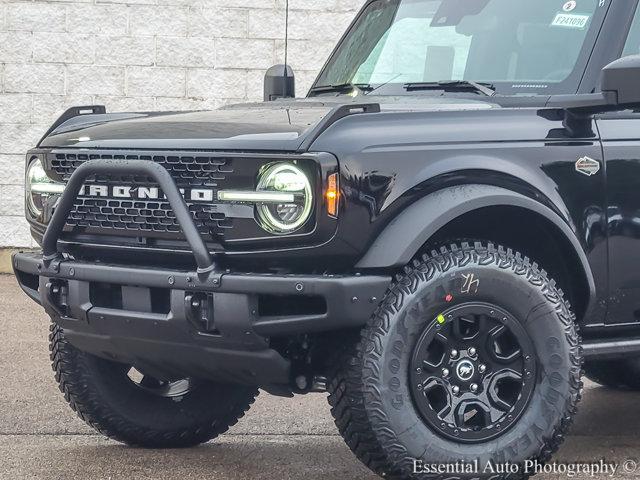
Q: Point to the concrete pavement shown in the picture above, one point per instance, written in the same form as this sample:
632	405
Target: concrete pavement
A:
40	437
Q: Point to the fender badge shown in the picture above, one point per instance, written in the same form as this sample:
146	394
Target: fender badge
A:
587	166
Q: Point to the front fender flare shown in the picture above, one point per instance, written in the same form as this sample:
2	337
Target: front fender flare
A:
402	239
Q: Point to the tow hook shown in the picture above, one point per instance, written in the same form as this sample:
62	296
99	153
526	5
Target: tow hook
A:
57	294
199	311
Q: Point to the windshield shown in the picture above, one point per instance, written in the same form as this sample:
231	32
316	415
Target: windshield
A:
518	46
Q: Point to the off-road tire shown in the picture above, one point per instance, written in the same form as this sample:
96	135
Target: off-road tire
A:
615	374
369	390
106	400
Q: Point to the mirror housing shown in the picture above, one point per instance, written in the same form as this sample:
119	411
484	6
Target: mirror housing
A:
620	85
279	82
622	77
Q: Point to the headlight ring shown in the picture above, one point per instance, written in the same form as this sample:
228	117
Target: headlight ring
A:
39	188
284	217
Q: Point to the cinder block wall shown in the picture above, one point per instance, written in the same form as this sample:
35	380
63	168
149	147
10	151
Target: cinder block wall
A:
142	55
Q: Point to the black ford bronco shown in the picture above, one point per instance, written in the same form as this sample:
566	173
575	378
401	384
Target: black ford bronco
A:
444	234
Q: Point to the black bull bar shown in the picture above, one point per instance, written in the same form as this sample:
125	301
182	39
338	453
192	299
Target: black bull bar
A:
127	167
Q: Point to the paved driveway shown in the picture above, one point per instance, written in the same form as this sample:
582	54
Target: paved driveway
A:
40	437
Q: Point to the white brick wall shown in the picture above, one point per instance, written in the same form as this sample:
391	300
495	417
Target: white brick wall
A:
141	55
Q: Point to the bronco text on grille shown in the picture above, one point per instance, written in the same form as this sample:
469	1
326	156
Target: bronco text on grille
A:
134	207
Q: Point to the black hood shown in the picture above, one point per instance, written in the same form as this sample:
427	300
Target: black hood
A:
274	126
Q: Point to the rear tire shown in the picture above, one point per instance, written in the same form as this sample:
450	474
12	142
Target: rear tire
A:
150	414
379	408
615	374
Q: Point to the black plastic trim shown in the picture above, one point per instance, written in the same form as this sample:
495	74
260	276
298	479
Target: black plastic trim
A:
402	239
336	114
609	349
71	113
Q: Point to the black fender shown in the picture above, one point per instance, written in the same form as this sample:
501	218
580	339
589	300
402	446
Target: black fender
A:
402	239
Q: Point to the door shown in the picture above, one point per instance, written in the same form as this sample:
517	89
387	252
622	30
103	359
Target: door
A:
620	133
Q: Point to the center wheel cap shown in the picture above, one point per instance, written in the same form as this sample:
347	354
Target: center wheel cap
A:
465	370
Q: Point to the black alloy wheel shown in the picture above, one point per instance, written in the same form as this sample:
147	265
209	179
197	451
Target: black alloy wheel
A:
472	372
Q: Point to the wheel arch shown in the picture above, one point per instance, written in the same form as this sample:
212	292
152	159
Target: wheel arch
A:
437	219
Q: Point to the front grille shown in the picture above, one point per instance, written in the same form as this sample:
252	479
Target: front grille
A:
153	218
187	170
143	216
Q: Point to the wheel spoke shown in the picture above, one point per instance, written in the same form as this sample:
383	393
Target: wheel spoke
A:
428	367
497	331
501	404
453	405
504	388
445	411
437	396
442	338
456	329
473	414
433	353
511	359
466	328
488	332
483	325
431	383
502	347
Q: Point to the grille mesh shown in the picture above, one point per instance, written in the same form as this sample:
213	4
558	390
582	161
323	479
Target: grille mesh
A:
148	218
186	170
142	216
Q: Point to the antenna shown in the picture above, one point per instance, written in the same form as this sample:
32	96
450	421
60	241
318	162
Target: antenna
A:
286	37
278	83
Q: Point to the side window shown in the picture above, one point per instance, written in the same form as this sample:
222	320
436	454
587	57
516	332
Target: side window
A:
632	46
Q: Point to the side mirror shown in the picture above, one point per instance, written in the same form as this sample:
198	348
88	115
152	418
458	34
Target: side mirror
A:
623	78
279	82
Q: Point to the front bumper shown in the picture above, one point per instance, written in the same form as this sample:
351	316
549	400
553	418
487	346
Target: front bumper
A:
146	316
209	323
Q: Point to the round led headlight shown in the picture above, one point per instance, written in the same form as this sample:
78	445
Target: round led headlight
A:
40	188
288	213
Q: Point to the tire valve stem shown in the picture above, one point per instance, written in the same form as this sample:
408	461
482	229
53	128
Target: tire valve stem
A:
482	368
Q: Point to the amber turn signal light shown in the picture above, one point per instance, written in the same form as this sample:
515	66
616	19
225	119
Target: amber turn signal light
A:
332	195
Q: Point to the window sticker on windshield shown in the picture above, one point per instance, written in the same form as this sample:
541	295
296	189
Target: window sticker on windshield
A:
568	20
570	6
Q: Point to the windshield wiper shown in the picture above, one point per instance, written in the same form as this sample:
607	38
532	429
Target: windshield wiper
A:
453	85
342	87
